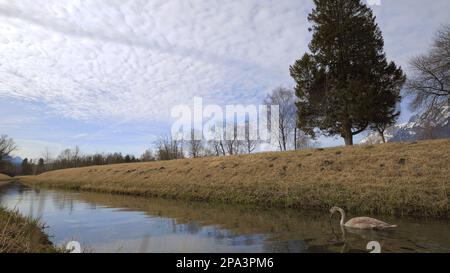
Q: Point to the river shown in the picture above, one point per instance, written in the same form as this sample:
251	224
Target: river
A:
115	223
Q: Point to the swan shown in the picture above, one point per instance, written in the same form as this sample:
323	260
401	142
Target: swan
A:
361	222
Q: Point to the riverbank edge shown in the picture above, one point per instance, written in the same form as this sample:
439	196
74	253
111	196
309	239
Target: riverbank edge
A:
392	179
19	234
4	179
6	182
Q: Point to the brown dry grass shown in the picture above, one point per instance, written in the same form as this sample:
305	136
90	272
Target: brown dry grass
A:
4	179
22	235
394	178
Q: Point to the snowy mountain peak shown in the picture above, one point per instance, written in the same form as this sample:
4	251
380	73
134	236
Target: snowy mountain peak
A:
435	124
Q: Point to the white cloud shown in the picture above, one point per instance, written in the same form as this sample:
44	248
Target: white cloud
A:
34	149
133	60
81	135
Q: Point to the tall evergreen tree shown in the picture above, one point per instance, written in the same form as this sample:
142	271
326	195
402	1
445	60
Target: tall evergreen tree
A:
345	85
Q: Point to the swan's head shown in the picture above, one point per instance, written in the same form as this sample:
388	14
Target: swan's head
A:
334	209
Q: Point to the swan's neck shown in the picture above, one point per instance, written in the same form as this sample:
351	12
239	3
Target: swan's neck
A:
342	212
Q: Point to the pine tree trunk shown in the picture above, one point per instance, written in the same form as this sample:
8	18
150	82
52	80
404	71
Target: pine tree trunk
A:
348	140
347	135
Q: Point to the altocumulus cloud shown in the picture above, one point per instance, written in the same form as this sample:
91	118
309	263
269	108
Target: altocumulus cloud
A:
133	60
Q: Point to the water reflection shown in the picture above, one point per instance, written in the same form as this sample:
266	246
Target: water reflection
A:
112	223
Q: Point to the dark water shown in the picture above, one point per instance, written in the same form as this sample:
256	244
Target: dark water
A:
110	223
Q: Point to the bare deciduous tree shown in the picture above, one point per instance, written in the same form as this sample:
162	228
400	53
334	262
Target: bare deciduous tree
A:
250	143
168	148
7	146
217	147
47	157
304	141
234	143
76	155
147	156
195	146
285	99
430	83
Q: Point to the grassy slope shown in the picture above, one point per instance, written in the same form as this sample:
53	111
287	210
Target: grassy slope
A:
22	235
4	179
395	178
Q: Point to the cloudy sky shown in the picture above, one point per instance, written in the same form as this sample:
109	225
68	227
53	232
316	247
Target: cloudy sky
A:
104	74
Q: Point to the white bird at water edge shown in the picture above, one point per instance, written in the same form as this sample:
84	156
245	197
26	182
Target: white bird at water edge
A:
361	222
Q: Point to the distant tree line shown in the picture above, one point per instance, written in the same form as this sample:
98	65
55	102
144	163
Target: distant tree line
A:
73	158
168	148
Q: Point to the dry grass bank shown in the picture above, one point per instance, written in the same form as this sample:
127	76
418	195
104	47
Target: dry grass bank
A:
4	179
394	178
22	235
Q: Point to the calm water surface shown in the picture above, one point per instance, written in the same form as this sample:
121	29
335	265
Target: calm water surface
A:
111	223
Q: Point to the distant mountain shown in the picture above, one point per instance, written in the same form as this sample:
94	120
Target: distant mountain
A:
437	125
17	160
